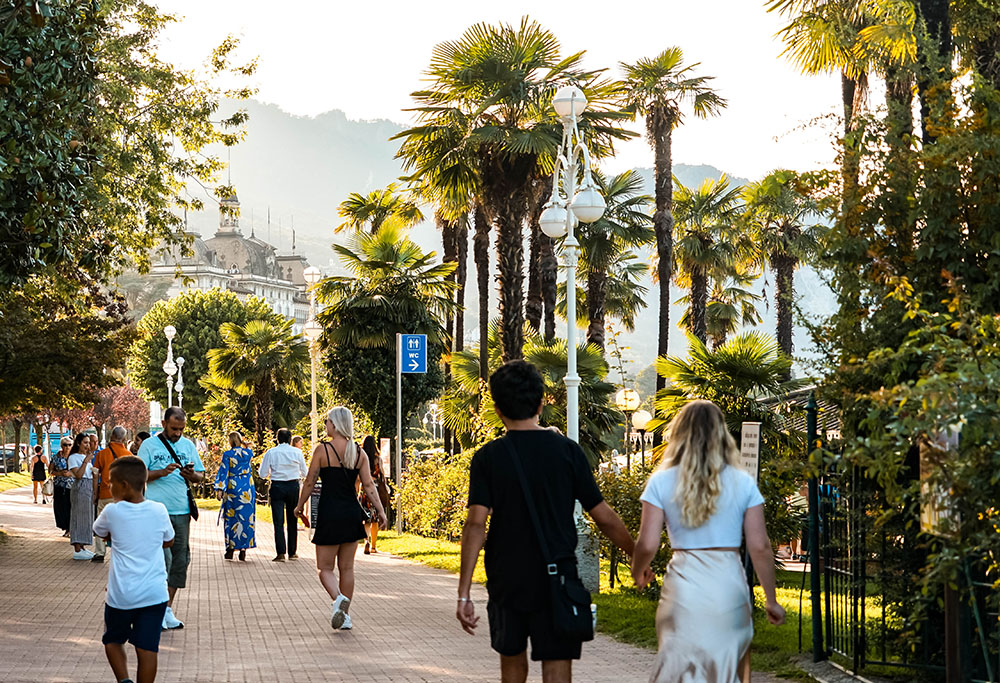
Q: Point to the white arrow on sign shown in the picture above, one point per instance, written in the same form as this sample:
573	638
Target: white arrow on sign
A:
414	364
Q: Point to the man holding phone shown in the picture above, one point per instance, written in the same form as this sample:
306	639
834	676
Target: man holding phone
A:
173	463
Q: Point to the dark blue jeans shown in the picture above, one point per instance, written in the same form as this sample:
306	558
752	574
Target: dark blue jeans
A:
284	498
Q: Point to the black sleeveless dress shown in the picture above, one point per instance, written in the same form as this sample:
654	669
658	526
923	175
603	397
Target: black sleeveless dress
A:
38	470
340	518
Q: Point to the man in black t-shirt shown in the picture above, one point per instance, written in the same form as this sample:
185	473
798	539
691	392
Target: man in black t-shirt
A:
558	474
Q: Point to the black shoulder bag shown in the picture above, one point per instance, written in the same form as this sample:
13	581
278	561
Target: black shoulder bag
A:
192	506
569	599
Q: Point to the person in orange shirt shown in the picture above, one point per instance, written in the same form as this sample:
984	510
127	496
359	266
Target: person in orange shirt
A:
102	480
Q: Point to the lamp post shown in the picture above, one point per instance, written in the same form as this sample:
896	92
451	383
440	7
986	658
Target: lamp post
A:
640	420
313	330
169	367
180	382
627	401
568	205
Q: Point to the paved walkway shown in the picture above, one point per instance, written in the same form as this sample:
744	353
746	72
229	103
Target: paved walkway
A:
255	621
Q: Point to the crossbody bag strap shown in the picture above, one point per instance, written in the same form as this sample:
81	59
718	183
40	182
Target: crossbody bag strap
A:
550	565
170	449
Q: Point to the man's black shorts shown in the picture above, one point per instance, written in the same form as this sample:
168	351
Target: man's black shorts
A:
140	626
511	628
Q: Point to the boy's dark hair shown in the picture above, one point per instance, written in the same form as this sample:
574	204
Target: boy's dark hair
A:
142	435
130	470
517	389
38	449
284	435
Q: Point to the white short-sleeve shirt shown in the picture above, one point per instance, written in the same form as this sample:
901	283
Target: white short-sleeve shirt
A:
724	529
138	576
76	460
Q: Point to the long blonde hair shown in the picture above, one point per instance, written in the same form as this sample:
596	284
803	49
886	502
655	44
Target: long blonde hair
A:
343	422
700	446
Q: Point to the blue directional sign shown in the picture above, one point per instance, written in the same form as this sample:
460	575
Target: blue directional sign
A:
414	353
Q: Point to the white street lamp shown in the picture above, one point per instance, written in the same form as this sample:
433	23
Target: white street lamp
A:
169	367
640	420
568	205
180	382
627	400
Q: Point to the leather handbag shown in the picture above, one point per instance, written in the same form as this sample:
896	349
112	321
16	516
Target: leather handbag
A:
569	598
192	505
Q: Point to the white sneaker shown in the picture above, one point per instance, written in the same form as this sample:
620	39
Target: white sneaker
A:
340	606
347	626
170	621
83	555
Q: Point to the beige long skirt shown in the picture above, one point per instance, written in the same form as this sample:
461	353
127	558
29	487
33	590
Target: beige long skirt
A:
704	622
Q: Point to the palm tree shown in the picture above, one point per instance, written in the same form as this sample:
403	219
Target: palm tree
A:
731	304
659	89
624	294
779	218
370	211
709	245
494	87
257	359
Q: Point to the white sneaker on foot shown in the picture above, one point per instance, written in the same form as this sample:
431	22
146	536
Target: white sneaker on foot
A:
83	554
340	606
170	621
347	626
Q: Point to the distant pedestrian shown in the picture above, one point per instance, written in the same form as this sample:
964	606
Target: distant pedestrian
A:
370	447
81	521
338	463
137	442
234	487
62	480
102	481
137	582
285	466
704	623
38	466
556	474
298	441
172	463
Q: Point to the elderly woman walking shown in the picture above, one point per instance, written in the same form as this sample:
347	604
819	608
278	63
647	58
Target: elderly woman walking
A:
339	463
81	521
62	480
234	485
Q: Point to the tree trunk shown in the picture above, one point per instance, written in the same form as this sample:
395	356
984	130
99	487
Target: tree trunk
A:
784	297
17	423
699	305
461	275
481	249
448	242
936	65
659	128
549	267
597	285
510	274
533	305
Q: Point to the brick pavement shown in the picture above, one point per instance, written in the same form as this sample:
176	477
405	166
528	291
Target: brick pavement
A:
254	621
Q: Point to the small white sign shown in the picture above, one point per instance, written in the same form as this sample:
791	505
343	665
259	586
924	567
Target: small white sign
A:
750	449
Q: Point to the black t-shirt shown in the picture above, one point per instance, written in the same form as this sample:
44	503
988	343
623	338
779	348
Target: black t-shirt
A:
558	474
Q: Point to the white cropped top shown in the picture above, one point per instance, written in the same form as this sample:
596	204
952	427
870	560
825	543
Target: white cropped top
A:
724	529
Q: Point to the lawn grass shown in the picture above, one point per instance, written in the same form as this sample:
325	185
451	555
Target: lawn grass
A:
14	480
430	551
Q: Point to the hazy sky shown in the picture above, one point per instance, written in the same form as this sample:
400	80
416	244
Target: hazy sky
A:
365	58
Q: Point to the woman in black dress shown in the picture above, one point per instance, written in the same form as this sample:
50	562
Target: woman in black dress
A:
338	463
38	464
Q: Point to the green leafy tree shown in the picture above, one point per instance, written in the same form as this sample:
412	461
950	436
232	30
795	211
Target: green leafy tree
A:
659	89
256	360
394	287
101	138
370	211
197	316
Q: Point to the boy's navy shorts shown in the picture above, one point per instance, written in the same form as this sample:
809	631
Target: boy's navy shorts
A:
140	626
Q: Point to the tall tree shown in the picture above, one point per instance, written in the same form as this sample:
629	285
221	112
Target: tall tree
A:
784	227
370	211
257	359
659	88
710	246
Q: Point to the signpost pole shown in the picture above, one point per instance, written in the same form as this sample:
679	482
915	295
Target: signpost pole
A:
399	429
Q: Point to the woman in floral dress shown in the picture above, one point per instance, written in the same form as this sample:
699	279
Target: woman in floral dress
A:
234	484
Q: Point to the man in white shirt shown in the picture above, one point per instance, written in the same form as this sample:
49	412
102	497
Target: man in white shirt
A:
285	465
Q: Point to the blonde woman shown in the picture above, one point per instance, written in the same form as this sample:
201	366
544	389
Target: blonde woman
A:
338	463
234	487
704	624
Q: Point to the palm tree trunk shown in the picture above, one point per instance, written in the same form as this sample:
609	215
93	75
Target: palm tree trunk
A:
597	284
448	243
461	275
481	249
699	305
549	267
659	128
784	296
533	305
510	274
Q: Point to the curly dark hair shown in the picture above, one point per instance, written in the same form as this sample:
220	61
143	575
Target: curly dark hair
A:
517	389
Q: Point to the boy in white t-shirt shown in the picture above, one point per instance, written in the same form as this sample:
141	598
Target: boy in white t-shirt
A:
137	582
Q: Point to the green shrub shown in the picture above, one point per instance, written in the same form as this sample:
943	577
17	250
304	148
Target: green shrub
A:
434	494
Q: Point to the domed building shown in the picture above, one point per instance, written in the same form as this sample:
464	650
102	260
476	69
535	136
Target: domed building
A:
247	266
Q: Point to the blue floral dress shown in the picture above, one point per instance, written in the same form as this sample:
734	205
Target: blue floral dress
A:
239	500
